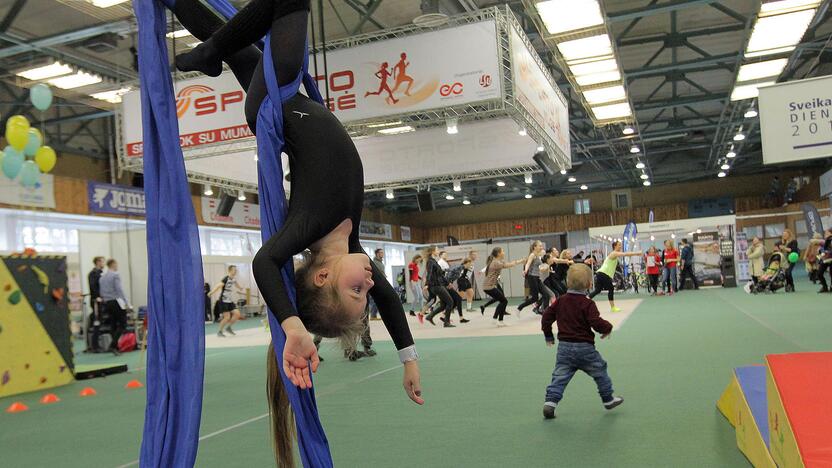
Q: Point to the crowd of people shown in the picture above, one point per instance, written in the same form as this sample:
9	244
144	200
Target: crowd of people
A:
778	271
109	305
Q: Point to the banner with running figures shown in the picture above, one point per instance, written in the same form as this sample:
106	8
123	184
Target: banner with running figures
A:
425	71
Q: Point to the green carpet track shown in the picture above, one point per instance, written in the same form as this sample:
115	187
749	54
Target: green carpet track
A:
670	360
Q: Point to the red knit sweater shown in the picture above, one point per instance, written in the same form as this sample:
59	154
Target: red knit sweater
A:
577	316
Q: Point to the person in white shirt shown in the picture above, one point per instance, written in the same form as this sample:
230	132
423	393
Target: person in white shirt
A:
227	305
115	303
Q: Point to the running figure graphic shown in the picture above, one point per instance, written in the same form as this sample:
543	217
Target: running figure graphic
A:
382	74
401	76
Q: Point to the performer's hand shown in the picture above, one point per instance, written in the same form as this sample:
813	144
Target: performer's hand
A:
298	351
412	382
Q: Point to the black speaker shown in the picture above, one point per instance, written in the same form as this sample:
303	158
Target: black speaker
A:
452	241
225	204
425	201
544	162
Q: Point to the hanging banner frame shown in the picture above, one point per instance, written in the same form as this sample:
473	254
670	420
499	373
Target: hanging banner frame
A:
505	105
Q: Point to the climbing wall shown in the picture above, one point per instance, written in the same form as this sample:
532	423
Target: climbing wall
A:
35	338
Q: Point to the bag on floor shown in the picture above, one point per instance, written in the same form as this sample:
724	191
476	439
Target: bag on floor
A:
127	342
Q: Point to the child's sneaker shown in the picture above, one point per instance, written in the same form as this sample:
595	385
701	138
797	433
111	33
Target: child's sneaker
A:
549	409
501	324
613	403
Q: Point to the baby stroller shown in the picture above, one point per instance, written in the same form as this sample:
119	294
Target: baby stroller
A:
774	277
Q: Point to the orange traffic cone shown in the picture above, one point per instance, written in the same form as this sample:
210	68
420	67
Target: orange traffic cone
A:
134	384
17	407
88	391
49	398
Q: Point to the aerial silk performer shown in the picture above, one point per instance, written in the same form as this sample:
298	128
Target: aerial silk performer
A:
323	217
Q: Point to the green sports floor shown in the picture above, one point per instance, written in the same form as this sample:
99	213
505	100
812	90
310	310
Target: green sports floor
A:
671	359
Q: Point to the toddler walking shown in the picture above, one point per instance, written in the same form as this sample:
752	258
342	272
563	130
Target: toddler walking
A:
577	317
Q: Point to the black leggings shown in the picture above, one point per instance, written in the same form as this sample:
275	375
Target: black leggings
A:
824	267
493	300
555	285
603	282
535	290
447	302
498	296
790	275
654	282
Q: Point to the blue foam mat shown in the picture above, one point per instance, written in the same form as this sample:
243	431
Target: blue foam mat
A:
752	380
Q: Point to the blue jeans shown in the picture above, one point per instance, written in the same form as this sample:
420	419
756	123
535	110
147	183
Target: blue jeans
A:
573	357
669	273
373	307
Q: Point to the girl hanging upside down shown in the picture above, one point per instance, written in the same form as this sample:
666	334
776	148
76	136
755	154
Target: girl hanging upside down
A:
325	207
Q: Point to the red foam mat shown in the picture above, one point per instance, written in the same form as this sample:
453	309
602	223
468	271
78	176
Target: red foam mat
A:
804	382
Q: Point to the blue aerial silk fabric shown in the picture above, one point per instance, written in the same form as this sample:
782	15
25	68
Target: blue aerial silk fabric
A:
176	351
176	331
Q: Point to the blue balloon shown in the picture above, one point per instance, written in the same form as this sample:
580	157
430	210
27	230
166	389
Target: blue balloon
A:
12	162
35	140
29	174
41	96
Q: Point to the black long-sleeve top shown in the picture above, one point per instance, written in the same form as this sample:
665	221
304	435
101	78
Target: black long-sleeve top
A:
435	274
95	288
327	188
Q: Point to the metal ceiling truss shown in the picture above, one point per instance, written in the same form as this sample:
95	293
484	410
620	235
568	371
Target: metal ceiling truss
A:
426	183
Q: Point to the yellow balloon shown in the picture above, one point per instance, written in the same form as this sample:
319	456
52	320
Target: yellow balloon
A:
18	120
45	158
17	136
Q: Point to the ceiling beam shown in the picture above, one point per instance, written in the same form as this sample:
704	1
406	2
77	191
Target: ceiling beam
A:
626	15
684	34
28	45
715	62
74	118
12	15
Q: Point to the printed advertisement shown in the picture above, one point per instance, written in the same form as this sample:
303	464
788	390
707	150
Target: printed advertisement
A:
538	94
405	230
42	195
115	199
796	120
375	230
706	259
373	80
741	257
242	214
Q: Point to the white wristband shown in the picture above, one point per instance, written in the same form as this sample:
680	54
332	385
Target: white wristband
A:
408	354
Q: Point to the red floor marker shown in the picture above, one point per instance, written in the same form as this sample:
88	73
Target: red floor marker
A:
134	384
49	398
17	407
88	391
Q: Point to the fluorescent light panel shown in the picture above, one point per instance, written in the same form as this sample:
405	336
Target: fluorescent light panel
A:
784	6
748	91
612	111
397	130
776	34
587	47
756	71
76	80
602	95
106	3
45	71
598	66
384	124
560	16
113	95
598	78
177	34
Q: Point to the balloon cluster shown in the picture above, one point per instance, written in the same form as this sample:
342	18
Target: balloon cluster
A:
26	156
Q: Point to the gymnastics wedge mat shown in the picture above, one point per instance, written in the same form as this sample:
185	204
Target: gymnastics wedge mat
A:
744	404
800	409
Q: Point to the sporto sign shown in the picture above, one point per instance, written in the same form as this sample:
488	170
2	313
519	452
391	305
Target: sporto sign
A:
204	105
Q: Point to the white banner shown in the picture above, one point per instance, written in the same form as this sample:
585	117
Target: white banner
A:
40	196
242	214
414	73
210	110
488	144
369	229
796	120
436	69
537	93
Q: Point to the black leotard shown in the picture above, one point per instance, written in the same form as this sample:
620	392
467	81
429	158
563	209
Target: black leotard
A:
327	174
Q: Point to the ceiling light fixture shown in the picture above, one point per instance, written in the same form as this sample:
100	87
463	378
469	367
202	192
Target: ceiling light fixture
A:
628	130
759	70
241	195
75	80
397	130
527	178
540	148
584	187
739	136
635	149
582	14
384	124
527	196
725	167
466	202
721	174
522	131
778	33
177	34
112	96
43	72
644	176
572	179
587	47
106	3
612	111
750	113
748	91
452	124
500	183
457	186
639	165
646	183
449	197
390	195
604	95
731	154
208	190
563	172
